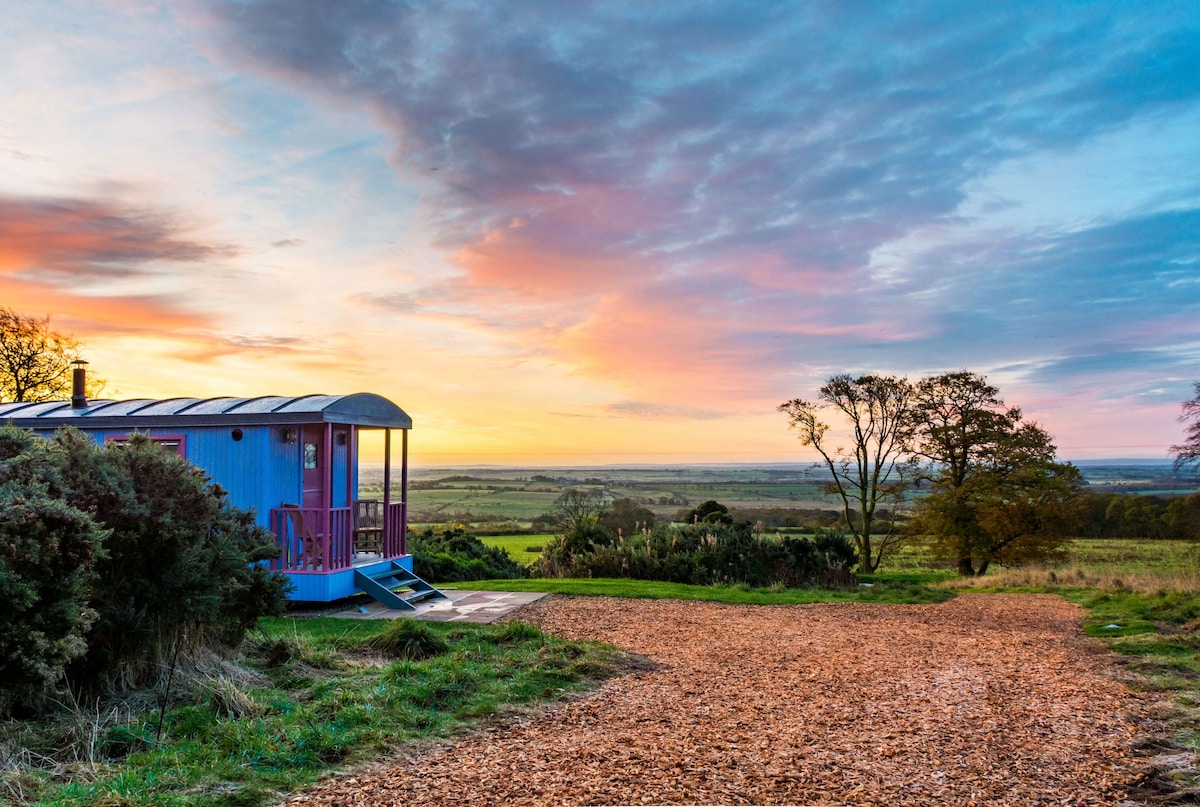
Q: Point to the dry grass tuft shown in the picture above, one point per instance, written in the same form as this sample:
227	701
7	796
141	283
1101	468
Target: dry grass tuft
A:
1045	578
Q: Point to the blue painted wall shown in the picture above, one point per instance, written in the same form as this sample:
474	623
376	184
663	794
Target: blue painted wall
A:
260	471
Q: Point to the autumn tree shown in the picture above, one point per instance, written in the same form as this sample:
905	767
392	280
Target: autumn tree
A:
998	495
870	468
1187	454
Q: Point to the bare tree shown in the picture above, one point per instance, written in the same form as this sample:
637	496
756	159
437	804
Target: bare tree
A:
35	361
1188	453
878	411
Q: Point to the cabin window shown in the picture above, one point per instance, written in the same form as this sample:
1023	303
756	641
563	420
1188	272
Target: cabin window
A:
174	443
310	456
236	434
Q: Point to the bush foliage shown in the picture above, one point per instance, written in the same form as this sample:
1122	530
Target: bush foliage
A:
453	556
115	557
700	554
48	552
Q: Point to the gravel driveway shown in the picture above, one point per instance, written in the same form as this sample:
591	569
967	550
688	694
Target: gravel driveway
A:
986	699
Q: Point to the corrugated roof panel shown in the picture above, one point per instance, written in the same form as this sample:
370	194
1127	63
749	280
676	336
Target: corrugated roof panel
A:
259	406
110	408
215	406
171	406
310	403
30	410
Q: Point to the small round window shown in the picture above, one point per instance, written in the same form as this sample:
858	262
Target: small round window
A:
236	434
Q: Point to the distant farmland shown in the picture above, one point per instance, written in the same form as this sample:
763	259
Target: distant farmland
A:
522	494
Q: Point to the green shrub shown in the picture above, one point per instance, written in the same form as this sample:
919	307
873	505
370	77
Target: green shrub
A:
182	565
48	550
453	556
130	540
701	554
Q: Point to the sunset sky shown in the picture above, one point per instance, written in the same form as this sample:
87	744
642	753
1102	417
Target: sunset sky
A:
591	233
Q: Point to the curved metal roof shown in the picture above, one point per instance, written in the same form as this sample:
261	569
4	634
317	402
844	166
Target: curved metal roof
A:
359	409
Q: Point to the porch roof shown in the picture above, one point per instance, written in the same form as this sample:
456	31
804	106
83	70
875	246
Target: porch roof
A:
360	409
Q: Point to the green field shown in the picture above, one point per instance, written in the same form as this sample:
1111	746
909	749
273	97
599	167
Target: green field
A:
518	546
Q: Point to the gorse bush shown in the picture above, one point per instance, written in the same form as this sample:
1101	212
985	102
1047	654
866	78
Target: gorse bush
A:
116	557
181	562
452	556
48	552
700	554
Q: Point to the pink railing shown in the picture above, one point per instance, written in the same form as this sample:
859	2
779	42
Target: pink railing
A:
395	543
313	540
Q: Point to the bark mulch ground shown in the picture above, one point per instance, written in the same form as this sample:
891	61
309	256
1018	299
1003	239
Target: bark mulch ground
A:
986	699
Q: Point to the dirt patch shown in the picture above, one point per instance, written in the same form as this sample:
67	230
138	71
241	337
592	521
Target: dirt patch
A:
986	699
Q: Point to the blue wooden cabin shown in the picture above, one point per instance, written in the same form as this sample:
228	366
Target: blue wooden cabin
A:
294	461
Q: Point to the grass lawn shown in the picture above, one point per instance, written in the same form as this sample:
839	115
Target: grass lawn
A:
312	696
881	588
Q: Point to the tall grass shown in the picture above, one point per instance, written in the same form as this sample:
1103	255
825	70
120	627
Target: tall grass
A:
1140	580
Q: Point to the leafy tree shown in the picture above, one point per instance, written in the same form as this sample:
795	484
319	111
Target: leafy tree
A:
1183	516
710	512
35	361
625	517
1187	454
997	495
878	411
575	507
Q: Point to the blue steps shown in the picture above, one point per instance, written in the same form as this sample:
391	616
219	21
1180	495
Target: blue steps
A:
396	587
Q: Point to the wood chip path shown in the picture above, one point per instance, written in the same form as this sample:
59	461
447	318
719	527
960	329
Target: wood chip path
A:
986	699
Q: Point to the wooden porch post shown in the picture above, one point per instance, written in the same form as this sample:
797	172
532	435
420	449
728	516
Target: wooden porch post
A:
327	496
351	468
404	491
387	489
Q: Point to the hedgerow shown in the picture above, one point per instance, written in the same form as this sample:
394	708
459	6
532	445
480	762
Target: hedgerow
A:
700	554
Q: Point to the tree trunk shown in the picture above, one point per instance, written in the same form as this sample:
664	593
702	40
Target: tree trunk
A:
982	570
866	563
965	567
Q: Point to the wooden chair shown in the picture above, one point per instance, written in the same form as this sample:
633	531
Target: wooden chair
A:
311	554
368	526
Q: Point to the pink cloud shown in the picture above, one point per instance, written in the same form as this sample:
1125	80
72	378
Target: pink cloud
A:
78	240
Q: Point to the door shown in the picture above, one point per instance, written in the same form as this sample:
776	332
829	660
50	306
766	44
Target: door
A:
313	459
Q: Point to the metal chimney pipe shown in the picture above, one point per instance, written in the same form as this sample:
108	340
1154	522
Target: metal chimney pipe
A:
79	384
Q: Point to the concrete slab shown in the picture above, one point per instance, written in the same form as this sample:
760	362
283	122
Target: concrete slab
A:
480	607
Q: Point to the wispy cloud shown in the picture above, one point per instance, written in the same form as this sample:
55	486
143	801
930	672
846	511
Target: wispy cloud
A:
699	193
74	242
